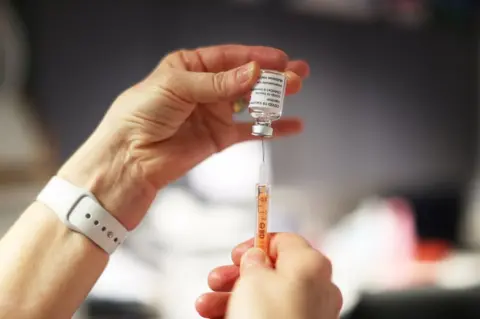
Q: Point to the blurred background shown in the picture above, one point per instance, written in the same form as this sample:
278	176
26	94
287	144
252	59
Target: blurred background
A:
385	180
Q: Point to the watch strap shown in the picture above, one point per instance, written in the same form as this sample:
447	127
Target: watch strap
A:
80	211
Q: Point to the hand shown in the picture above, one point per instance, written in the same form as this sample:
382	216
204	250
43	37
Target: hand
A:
172	120
294	282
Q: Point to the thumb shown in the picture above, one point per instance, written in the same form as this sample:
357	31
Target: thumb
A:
205	87
254	258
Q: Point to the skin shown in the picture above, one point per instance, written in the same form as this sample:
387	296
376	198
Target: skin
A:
294	281
174	119
153	133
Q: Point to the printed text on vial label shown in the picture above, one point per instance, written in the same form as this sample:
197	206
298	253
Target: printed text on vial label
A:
267	92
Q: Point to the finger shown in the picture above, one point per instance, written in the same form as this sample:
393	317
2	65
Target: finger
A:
306	263
294	83
225	57
240	249
281	128
299	67
285	242
223	278
297	259
337	299
292	255
212	304
206	87
254	258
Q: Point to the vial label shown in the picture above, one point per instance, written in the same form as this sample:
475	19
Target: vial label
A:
269	91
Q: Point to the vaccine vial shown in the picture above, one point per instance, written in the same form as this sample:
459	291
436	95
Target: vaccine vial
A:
266	103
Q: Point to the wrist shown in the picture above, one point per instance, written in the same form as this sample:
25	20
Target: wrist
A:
43	262
102	165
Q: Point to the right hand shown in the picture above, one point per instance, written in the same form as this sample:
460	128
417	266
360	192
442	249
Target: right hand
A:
294	282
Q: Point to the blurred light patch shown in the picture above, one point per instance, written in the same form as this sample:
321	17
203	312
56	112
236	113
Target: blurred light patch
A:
186	224
119	282
229	176
356	9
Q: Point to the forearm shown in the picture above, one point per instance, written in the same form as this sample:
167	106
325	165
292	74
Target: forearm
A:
46	270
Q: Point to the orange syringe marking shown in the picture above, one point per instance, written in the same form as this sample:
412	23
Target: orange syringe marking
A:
261	234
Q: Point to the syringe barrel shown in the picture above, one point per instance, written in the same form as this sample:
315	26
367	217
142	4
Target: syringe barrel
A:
261	233
263	174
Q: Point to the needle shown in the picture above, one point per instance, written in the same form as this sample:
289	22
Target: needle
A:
263	151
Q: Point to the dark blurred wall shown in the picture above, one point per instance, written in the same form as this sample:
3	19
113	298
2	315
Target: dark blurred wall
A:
383	107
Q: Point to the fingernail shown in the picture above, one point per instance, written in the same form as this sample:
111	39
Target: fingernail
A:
254	257
245	73
290	75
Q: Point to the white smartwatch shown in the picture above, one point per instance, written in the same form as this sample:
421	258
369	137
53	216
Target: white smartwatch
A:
80	211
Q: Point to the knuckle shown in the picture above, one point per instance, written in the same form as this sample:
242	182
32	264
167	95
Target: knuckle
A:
169	56
181	52
184	56
169	60
177	55
219	84
165	80
168	86
185	59
328	267
337	297
314	264
291	238
162	81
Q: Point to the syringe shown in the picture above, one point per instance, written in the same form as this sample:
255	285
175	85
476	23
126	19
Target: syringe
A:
265	110
263	199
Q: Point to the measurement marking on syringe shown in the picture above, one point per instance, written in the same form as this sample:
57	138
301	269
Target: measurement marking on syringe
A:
262	218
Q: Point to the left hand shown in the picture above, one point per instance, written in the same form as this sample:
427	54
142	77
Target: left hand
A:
221	281
294	281
172	120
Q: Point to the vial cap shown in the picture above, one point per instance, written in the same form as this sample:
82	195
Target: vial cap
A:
262	130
